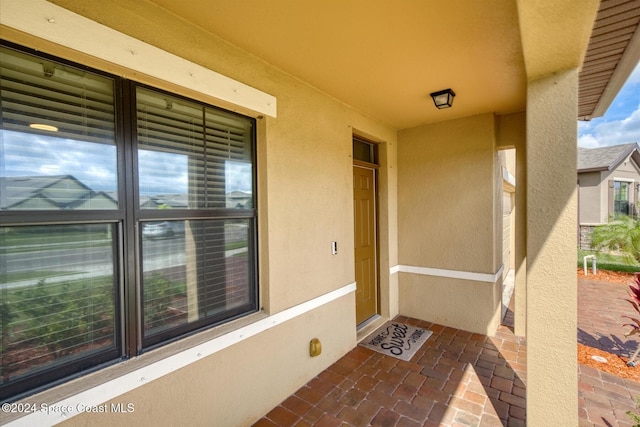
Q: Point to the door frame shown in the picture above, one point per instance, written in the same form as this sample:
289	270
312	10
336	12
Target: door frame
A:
374	167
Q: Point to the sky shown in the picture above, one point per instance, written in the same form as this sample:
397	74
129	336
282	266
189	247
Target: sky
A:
621	122
26	154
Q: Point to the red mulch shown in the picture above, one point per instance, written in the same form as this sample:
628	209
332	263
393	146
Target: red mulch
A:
607	276
616	365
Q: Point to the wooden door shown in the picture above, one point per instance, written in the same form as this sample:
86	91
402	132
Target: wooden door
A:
364	207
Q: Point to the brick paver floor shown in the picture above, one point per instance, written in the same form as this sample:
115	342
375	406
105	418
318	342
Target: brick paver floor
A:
456	379
601	306
603	398
462	379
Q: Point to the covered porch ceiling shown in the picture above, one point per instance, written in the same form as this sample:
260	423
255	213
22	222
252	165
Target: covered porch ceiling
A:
384	60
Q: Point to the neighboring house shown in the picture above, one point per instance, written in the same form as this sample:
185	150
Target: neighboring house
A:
366	201
63	192
608	181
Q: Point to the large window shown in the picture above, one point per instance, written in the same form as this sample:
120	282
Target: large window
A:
621	190
127	219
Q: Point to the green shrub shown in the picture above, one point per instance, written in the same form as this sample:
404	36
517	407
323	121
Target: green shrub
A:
623	234
61	317
159	295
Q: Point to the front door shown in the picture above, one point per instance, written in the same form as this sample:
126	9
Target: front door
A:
364	207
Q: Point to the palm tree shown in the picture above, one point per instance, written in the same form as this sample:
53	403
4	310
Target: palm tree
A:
622	234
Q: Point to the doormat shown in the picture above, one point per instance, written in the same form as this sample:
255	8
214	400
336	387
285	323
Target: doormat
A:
397	340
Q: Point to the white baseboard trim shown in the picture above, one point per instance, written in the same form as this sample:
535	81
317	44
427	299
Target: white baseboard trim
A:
97	396
450	274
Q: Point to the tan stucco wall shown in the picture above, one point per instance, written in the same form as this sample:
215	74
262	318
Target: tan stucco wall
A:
555	35
206	393
520	241
450	217
463	304
305	203
551	304
452	165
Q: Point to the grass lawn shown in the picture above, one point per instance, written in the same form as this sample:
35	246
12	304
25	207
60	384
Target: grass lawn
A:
610	262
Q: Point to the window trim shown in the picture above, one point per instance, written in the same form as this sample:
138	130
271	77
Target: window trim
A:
118	48
630	182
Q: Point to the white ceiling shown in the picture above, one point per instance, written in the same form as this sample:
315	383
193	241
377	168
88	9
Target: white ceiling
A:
382	59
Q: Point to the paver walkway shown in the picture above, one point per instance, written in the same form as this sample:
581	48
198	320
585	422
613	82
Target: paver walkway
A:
604	398
462	379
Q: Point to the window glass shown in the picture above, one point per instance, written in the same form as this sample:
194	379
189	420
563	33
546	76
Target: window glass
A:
364	151
195	270
57	301
192	157
57	141
621	198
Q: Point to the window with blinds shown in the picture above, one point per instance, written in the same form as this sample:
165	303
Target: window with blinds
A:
57	301
192	156
114	198
58	136
58	221
192	159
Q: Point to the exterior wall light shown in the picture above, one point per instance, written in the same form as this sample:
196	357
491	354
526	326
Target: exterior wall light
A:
443	98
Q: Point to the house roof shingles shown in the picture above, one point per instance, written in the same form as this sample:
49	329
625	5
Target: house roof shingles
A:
604	158
15	190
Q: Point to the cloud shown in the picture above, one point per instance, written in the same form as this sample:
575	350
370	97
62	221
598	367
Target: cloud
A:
620	124
38	155
162	173
238	176
607	133
95	165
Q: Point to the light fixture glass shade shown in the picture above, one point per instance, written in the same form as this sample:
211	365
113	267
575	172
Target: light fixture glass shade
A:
443	98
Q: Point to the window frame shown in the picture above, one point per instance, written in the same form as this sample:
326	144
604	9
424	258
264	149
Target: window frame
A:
617	191
126	221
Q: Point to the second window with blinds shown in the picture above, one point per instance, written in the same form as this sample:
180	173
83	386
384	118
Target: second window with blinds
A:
196	214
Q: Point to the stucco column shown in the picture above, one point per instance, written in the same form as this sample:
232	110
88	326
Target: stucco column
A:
520	246
552	378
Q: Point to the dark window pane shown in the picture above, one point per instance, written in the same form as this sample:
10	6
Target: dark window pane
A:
194	271
621	198
57	304
57	141
191	156
363	151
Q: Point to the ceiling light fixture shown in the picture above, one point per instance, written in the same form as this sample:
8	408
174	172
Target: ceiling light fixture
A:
443	98
42	126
